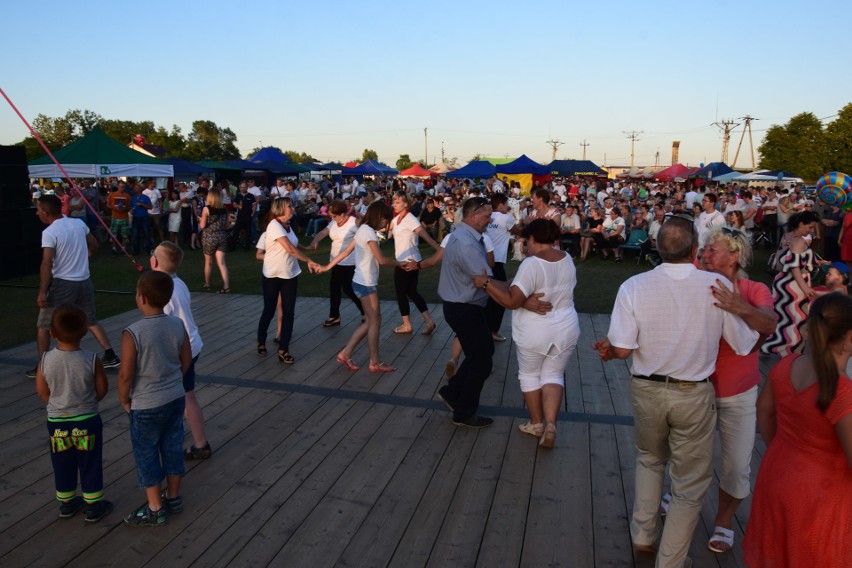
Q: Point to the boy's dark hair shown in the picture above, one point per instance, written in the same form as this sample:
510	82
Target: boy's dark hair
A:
51	205
69	324
498	199
156	287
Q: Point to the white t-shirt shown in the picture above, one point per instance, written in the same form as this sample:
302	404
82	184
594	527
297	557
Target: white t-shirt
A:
366	265
405	239
486	242
668	318
498	232
179	306
706	224
559	329
67	237
154	195
278	263
341	236
254	190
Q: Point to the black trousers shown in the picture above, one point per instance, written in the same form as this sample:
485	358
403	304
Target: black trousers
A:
471	327
341	279
494	311
405	284
243	223
273	288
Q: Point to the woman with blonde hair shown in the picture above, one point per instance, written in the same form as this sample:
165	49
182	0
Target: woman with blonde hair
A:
214	238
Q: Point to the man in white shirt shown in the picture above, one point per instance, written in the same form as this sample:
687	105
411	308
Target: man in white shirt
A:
571	229
690	198
709	220
672	333
560	189
156	212
259	198
499	231
749	210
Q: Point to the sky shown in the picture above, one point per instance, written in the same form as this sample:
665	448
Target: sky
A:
496	78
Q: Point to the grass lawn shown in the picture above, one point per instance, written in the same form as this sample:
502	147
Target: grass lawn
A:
115	279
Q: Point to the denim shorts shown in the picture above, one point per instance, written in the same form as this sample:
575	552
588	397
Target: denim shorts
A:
363	291
157	436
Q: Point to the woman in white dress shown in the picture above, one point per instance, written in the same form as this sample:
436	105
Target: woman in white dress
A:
544	342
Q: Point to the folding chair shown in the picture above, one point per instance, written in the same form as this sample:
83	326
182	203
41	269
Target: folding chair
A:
634	242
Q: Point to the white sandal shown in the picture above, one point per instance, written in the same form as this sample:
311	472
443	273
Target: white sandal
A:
721	535
532	429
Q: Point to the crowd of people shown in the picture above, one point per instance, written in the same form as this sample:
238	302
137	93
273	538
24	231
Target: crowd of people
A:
693	326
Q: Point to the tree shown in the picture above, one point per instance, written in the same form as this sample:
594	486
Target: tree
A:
404	162
476	157
84	121
798	147
173	141
369	155
300	157
124	130
838	141
209	142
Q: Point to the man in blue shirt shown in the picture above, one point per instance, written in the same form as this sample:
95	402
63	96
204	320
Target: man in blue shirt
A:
464	310
140	204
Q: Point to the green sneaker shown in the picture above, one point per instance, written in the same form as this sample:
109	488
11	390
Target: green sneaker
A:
145	517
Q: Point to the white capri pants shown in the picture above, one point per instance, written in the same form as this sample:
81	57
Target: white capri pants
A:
736	419
537	369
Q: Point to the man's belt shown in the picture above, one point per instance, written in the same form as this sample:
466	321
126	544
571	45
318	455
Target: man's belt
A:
666	379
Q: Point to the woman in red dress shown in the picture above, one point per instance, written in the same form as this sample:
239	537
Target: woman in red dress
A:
801	514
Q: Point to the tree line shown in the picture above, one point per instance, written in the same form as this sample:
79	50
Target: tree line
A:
807	148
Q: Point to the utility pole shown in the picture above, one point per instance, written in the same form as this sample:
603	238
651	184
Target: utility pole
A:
748	120
584	144
442	151
726	126
633	136
554	144
425	146
657	158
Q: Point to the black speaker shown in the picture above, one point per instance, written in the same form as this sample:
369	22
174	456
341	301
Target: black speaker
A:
15	190
20	242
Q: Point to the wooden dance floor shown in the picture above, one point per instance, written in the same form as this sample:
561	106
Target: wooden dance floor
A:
317	466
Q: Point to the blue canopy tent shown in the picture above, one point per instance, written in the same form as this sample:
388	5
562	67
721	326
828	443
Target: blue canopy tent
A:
712	171
370	168
575	168
269	155
289	168
475	169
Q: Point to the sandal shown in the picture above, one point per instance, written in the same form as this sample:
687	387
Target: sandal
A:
261	349
205	288
330	322
548	439
430	327
664	504
533	429
347	362
224	291
402	329
381	367
723	536
194	453
285	357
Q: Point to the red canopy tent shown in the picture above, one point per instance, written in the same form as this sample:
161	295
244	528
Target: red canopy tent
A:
671	172
350	165
416	171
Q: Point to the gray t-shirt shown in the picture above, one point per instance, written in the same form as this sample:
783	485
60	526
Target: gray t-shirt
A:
158	379
70	376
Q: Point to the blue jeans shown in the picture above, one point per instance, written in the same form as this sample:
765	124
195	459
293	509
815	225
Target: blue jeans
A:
316	225
141	226
157	437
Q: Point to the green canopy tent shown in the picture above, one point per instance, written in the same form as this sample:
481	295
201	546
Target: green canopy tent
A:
98	155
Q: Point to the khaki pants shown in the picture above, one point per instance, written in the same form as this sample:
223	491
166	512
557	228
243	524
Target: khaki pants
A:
675	423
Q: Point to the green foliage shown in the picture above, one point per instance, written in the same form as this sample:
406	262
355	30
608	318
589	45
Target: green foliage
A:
369	155
299	157
404	162
838	141
209	142
798	147
476	157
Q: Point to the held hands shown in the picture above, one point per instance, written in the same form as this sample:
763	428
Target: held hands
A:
409	265
604	349
314	267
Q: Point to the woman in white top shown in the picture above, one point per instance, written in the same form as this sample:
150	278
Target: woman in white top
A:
368	257
405	230
341	230
280	276
544	342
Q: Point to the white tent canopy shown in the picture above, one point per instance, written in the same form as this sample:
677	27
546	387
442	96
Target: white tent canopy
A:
102	170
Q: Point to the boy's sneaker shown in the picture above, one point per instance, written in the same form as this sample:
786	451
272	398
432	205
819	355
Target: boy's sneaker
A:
97	511
173	506
111	362
32	373
69	508
145	517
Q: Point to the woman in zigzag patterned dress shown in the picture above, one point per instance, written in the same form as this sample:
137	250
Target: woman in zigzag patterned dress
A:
791	290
